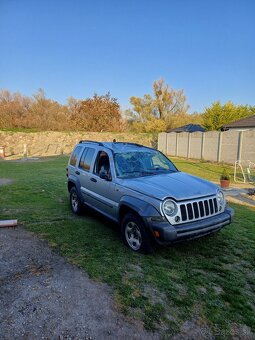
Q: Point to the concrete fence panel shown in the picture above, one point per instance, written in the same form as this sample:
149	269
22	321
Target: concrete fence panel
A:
211	146
196	145
215	146
171	144
248	146
162	142
183	144
229	146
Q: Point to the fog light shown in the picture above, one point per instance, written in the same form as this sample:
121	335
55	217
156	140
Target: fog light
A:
177	219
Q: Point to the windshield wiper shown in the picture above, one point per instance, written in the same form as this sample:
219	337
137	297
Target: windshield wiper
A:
162	169
142	172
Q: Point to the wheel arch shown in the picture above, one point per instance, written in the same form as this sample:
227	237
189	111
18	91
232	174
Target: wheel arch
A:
129	204
73	182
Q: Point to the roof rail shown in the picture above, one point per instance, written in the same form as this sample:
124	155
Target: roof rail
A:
90	141
127	143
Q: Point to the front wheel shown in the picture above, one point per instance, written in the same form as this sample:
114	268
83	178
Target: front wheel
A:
75	202
134	234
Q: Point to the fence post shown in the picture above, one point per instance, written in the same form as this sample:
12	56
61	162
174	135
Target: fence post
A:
188	148
203	145
2	151
219	147
240	146
176	144
166	145
25	151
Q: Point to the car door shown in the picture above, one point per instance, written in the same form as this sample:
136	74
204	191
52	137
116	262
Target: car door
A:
85	167
101	190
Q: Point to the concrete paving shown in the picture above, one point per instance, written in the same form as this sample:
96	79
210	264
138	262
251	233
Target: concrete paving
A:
240	195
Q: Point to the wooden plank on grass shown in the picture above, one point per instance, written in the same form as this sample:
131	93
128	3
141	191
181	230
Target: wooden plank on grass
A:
8	223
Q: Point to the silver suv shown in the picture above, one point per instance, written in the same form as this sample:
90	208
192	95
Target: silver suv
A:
143	191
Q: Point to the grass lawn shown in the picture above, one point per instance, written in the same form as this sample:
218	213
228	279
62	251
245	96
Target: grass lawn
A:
209	282
207	170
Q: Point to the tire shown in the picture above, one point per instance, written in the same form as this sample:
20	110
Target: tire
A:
134	234
75	202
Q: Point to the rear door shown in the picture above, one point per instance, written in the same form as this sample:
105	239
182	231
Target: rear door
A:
102	191
85	167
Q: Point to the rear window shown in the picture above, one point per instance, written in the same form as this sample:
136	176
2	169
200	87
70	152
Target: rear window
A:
75	155
86	158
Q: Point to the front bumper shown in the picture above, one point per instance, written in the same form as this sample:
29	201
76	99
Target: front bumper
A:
168	233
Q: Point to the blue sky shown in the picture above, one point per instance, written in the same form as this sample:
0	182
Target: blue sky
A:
76	48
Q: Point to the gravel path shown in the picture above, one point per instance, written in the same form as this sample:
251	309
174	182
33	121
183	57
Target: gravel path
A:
42	296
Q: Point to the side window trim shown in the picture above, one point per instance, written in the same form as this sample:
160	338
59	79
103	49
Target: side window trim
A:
85	153
96	163
99	151
77	152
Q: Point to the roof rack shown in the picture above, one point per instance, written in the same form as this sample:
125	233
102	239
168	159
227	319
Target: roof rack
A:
90	141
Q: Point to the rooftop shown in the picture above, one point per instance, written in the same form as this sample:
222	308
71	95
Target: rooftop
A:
188	128
119	146
248	122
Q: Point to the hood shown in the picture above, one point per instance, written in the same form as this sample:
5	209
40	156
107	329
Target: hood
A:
178	185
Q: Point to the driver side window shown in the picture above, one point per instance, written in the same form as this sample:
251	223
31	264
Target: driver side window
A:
102	165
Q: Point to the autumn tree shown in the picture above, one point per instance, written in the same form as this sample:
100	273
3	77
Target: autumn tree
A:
168	102
18	111
217	115
156	112
13	109
100	113
47	114
73	105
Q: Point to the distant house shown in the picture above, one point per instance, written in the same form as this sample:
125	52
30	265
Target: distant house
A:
242	124
188	128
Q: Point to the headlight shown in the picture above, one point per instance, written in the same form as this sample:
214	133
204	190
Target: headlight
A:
220	197
169	207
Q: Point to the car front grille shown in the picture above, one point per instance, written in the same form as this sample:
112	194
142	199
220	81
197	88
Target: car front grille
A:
198	209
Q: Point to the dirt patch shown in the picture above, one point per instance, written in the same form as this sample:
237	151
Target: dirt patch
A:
194	329
44	296
5	181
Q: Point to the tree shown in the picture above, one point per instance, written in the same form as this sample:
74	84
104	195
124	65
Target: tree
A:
218	115
13	109
73	105
167	101
100	113
155	113
47	114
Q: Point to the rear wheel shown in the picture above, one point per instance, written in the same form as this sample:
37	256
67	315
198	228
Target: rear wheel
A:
134	234
75	202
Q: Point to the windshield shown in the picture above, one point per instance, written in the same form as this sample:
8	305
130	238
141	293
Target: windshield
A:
142	163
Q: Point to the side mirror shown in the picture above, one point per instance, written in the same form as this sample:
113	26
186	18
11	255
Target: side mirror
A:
103	174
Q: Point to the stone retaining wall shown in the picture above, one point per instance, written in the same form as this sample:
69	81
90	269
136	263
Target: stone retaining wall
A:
36	144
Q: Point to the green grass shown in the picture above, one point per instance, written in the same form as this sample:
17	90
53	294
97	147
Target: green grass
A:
26	130
210	281
207	170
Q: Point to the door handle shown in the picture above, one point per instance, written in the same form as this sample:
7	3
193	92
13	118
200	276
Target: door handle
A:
77	172
93	180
